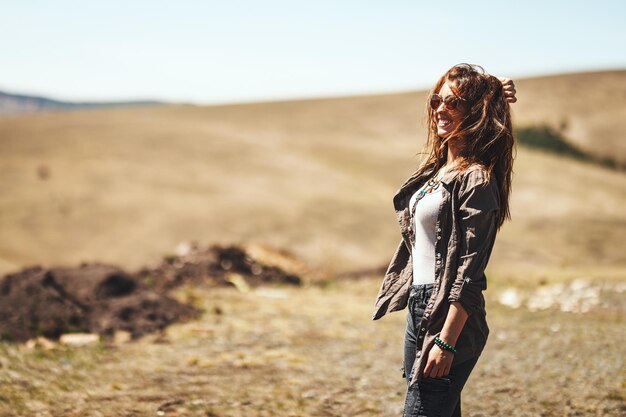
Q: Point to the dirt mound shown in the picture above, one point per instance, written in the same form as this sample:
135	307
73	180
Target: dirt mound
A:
101	298
93	297
213	266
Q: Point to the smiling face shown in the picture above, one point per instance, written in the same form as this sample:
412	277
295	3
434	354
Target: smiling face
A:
447	120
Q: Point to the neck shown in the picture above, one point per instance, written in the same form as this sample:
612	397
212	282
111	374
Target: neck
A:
453	152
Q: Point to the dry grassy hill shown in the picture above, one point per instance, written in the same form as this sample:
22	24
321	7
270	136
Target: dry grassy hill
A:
590	106
313	176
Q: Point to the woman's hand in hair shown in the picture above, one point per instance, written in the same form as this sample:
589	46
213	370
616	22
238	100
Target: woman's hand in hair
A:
509	89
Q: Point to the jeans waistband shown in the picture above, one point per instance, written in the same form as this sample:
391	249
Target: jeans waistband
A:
421	290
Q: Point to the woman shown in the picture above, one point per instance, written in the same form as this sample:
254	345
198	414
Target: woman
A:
449	211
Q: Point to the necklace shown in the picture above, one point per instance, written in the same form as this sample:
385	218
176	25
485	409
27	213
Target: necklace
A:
430	186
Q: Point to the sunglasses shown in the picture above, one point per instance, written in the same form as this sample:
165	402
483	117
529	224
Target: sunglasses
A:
451	102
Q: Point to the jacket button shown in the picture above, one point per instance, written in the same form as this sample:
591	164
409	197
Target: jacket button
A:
419	353
439	229
423	329
427	314
438	261
438	237
430	305
438	255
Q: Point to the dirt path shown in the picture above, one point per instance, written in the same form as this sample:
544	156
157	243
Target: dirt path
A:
316	352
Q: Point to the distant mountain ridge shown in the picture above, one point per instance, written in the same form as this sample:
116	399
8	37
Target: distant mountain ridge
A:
11	104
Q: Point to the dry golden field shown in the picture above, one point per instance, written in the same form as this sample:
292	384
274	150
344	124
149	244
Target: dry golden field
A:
315	177
312	176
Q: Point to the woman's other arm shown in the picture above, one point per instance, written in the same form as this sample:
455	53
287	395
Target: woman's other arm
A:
479	205
440	360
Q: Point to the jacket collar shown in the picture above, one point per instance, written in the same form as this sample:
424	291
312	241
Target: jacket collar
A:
449	176
414	179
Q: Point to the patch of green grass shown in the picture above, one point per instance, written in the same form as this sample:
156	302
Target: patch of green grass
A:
6	336
549	139
170	258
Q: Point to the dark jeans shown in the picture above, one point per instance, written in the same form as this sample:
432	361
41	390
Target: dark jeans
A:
431	397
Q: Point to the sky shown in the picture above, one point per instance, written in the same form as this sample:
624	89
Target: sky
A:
228	51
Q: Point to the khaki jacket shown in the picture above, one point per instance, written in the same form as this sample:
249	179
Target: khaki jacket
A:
466	232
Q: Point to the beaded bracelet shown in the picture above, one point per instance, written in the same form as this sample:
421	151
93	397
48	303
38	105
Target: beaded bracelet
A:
444	345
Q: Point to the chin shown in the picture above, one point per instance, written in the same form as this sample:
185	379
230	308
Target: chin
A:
443	133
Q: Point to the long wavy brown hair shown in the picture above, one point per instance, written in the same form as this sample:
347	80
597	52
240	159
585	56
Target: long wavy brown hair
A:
485	132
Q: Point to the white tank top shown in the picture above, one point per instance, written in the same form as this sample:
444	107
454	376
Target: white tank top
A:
423	252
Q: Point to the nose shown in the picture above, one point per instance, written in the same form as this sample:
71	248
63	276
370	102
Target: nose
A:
441	108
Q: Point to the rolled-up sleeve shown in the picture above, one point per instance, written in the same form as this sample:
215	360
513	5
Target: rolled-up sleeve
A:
479	206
